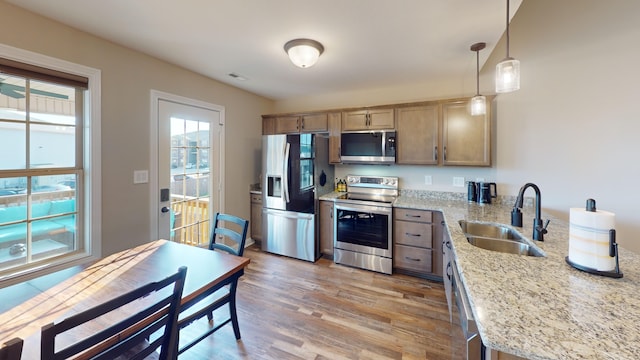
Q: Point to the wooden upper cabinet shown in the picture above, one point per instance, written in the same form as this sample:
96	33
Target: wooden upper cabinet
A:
466	139
334	122
371	119
268	125
287	124
440	132
314	123
417	135
293	124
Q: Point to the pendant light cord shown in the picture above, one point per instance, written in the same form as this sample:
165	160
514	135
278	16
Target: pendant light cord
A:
477	73
507	29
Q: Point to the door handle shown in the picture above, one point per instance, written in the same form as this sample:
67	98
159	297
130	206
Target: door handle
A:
164	209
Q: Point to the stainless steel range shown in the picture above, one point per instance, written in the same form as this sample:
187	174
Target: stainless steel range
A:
362	225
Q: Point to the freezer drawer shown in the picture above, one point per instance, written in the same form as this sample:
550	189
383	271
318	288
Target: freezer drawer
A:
290	234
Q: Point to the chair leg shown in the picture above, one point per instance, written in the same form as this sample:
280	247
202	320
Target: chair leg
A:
234	317
210	317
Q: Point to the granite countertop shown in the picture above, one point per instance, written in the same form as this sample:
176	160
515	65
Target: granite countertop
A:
540	307
255	189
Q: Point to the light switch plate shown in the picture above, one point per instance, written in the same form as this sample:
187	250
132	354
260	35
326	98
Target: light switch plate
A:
140	176
458	181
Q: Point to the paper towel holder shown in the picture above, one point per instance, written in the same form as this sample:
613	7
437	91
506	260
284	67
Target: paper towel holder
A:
613	251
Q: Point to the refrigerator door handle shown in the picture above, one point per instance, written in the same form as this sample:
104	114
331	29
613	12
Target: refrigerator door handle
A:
285	175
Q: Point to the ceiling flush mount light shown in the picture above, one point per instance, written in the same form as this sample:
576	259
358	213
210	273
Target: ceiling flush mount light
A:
478	102
508	70
303	53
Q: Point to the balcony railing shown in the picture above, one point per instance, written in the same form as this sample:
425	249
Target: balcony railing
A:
192	224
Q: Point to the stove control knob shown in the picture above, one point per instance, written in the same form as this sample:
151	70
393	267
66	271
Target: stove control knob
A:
352	179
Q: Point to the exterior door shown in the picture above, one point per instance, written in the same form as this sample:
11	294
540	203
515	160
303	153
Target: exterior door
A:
189	167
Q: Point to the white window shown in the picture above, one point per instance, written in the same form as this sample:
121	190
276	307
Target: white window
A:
48	201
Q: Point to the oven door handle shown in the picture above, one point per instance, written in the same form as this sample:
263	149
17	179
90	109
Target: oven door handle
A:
364	208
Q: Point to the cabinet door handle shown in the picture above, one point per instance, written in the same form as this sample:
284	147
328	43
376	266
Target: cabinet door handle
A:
410	234
412	259
449	270
302	123
445	153
435	154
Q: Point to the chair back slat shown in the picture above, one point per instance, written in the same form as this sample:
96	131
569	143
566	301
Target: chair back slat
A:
130	331
12	349
234	229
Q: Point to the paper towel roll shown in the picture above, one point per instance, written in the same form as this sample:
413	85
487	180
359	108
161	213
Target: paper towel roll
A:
589	238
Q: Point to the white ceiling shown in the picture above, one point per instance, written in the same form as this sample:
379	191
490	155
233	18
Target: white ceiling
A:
368	43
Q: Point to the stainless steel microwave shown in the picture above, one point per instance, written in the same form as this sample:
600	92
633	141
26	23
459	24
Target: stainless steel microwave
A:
368	147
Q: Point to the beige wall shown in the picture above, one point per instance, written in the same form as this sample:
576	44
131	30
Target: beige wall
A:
127	79
573	127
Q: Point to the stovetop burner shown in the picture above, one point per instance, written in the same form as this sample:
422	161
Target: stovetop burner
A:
370	190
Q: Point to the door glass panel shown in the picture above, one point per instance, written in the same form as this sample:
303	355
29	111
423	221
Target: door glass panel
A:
190	185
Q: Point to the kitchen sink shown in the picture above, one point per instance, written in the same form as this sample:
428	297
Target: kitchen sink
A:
504	246
495	231
497	237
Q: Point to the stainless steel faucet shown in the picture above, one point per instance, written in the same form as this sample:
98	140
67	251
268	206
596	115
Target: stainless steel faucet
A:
516	215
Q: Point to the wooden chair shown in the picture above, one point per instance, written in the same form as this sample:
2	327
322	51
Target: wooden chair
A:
235	230
128	336
11	350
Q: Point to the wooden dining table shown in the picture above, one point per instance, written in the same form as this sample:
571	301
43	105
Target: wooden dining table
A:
114	275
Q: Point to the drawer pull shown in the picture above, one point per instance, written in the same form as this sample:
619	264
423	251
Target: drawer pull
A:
410	234
412	259
413	216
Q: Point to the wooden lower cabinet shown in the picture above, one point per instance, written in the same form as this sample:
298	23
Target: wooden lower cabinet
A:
256	216
417	243
326	228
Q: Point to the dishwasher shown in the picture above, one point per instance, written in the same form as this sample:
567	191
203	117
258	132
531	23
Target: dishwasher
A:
459	304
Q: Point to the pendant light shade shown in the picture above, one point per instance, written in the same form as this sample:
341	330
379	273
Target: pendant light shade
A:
508	70
478	102
303	53
478	105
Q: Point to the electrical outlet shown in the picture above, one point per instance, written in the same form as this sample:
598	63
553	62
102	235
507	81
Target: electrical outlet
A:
458	181
428	180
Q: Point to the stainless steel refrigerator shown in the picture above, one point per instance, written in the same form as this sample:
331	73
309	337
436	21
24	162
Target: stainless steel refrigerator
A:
295	172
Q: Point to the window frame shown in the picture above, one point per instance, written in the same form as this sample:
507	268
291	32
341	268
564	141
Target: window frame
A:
91	199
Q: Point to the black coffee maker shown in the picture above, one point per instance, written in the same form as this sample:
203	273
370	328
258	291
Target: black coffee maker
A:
472	191
485	191
481	192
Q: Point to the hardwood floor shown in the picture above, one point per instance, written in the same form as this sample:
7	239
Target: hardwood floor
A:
293	309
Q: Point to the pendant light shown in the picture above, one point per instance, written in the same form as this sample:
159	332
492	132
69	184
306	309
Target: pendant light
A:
508	70
303	53
478	102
